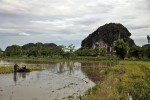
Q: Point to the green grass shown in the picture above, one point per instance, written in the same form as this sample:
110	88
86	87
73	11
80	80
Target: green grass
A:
128	78
9	69
4	70
49	59
75	58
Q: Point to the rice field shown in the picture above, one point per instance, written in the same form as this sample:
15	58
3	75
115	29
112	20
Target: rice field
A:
129	80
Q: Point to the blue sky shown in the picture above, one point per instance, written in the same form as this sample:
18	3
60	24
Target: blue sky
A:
67	22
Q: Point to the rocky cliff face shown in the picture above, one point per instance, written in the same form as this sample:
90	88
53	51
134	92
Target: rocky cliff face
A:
105	35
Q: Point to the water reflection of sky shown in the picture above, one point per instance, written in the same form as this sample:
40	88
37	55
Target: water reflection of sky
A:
55	81
9	63
5	63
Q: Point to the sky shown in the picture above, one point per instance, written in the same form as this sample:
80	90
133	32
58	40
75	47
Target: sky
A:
67	22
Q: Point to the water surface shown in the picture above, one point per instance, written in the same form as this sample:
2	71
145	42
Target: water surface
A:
56	81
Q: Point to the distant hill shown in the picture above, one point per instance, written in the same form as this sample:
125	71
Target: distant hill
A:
33	50
105	35
31	45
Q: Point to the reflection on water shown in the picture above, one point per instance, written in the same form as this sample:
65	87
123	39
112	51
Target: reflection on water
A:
63	67
5	63
15	77
56	81
96	71
19	75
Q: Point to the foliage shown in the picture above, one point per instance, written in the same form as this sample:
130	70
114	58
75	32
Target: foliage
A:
1	50
69	51
34	50
136	51
85	52
121	48
148	38
71	48
146	50
14	50
91	52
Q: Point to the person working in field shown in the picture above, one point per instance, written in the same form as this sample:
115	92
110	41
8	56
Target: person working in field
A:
16	67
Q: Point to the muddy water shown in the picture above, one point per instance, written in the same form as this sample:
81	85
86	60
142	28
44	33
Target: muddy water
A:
56	81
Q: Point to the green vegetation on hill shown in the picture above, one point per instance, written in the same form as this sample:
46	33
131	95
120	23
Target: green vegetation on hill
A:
107	34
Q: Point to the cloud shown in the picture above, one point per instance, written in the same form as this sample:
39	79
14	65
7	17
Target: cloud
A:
69	21
24	34
140	37
134	27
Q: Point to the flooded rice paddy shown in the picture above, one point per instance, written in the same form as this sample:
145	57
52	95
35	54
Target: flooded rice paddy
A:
56	81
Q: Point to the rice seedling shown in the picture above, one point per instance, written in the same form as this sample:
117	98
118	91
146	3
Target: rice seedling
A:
128	79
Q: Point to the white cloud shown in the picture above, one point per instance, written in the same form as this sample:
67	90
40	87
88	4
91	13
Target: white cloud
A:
24	34
70	19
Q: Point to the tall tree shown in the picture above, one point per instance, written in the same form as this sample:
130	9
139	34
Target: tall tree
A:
1	50
69	52
148	38
121	48
136	51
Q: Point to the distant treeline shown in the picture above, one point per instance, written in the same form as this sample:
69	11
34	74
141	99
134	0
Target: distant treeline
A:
35	50
53	50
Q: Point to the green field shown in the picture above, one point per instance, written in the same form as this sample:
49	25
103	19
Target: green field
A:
57	59
77	58
128	79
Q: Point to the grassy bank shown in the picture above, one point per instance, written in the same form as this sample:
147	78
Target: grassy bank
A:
76	58
9	69
128	79
48	59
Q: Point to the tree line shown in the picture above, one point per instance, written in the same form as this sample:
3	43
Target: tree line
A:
120	49
38	50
